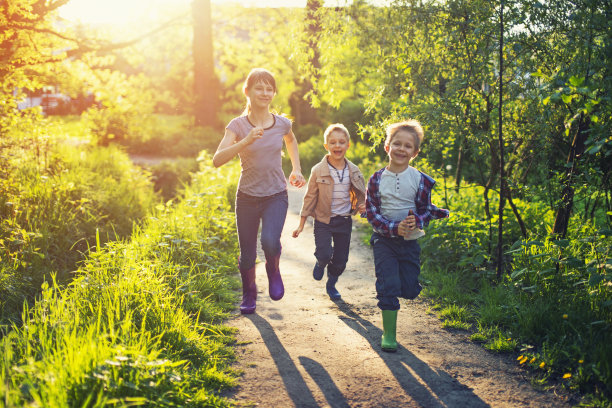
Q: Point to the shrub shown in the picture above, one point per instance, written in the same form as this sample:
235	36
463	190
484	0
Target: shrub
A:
139	323
55	197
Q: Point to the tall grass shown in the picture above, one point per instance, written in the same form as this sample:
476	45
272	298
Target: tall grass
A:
139	323
56	194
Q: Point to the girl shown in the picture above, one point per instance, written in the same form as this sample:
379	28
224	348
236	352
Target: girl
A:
257	137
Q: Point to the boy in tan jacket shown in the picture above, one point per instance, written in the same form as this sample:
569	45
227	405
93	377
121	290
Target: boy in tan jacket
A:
336	190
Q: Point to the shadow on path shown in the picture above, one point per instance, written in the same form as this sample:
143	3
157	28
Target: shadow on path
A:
295	385
439	388
326	384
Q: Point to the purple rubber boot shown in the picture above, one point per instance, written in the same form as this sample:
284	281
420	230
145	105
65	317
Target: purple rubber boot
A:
276	288
249	291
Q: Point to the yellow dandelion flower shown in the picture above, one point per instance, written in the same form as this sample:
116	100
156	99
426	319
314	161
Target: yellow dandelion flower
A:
580	361
532	360
519	357
542	364
565	316
567	375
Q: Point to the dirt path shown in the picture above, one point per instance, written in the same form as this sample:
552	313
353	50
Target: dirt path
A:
307	351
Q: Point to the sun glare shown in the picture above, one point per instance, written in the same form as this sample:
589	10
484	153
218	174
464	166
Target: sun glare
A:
122	12
115	11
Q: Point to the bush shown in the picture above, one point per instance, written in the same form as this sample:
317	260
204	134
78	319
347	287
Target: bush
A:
555	301
139	325
170	175
55	198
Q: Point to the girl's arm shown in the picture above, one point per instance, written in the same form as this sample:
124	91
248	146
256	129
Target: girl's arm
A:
300	228
228	148
296	179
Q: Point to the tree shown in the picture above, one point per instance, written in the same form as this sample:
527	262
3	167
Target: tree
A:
206	87
304	97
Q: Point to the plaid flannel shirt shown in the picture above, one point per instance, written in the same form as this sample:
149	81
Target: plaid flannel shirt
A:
425	210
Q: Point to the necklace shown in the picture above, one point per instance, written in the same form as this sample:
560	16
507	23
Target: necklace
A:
340	177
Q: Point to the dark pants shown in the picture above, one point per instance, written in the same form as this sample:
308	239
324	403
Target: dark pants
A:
397	265
250	210
339	231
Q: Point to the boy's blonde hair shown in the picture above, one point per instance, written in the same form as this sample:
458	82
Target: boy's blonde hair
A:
336	126
411	125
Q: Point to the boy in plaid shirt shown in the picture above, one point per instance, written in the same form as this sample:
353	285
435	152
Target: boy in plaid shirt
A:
398	205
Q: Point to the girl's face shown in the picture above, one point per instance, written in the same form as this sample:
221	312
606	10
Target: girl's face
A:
260	94
402	148
337	144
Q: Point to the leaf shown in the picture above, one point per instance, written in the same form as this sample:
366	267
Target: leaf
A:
518	273
576	81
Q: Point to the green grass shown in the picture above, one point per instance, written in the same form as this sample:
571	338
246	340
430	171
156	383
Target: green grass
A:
56	195
455	317
140	324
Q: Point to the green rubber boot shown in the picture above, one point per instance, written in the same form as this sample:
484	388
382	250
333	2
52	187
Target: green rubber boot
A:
388	342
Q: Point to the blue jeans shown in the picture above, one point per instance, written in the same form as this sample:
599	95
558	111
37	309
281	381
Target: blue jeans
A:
339	230
271	211
397	265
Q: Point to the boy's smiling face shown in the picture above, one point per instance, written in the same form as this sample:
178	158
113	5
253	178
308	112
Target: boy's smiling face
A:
402	149
337	144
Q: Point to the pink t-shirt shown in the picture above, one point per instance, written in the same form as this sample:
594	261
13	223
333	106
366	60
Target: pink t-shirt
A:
262	172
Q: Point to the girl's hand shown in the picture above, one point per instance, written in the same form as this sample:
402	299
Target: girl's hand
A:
254	134
361	208
297	232
296	179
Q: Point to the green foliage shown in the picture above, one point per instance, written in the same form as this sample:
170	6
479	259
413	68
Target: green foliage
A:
170	175
174	136
138	325
554	304
56	196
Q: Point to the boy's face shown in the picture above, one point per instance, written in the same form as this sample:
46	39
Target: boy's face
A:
337	144
402	148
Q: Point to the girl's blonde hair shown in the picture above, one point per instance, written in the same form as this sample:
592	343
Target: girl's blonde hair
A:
336	126
412	126
257	75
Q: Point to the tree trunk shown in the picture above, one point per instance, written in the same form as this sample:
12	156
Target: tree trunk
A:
205	85
502	178
517	214
567	195
301	107
459	167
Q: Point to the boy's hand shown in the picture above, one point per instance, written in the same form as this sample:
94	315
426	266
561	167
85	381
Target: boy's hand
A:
411	219
297	232
296	179
402	229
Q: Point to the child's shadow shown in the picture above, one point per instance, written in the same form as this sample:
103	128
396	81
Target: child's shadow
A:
440	389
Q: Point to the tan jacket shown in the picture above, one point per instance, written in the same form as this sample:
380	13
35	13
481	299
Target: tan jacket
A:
318	197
